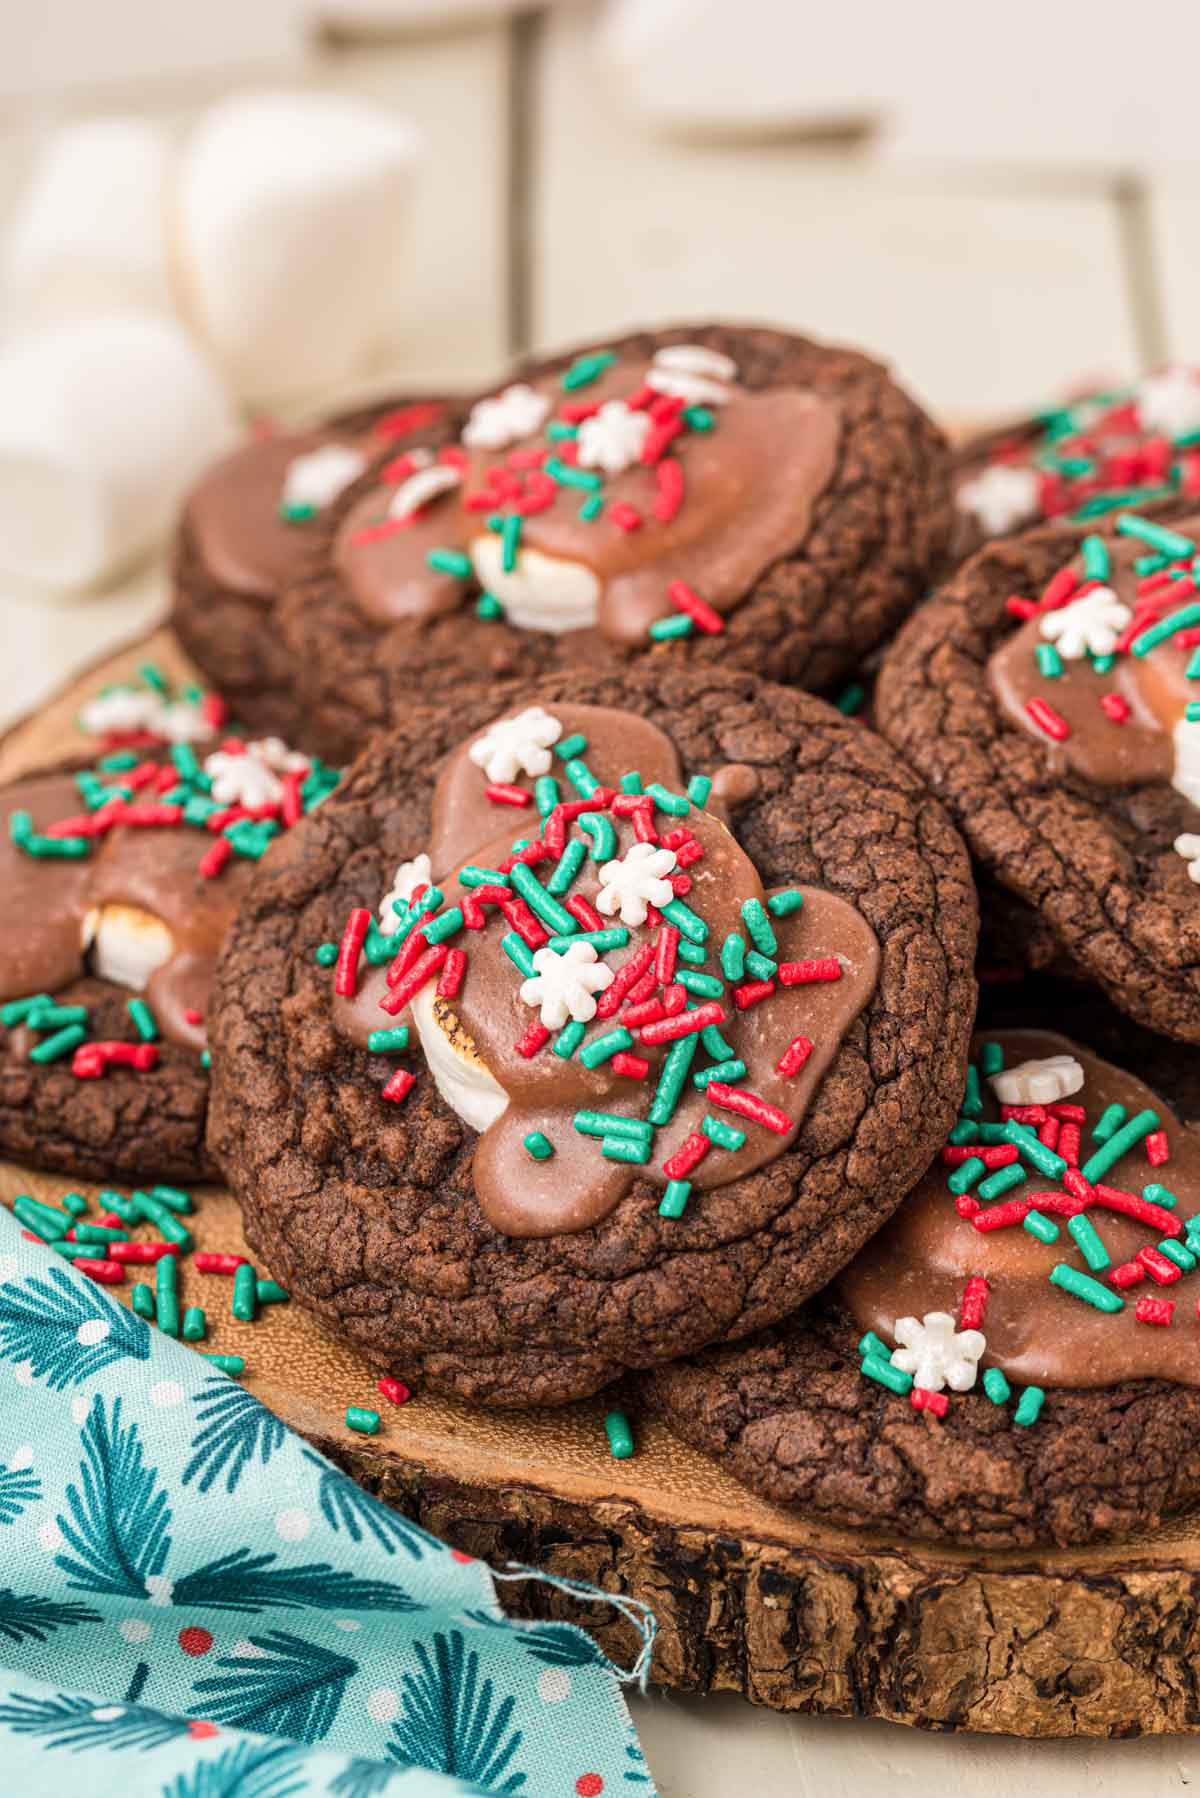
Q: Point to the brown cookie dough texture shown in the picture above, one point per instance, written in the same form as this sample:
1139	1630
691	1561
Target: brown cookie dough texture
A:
367	1211
849	541
1095	864
235	554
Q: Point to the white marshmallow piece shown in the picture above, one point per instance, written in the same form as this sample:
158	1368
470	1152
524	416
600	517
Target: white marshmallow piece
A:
127	944
317	478
1169	402
289	219
90	232
696	359
419	489
1186	777
104	425
1041	1082
1188	846
542	593
463	1080
1000	497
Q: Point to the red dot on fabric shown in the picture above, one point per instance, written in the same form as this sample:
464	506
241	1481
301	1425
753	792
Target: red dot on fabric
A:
195	1640
456	1554
200	1729
589	1785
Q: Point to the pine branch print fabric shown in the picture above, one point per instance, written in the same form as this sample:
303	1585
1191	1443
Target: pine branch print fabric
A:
194	1604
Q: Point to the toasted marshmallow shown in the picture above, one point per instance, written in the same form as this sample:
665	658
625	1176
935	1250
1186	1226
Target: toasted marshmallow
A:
126	944
542	593
455	1063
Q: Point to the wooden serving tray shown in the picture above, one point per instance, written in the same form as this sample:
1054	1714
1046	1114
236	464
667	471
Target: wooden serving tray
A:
792	1613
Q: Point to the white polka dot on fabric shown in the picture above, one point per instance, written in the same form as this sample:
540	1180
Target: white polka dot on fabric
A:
349	1624
293	1525
554	1684
50	1537
134	1629
93	1331
166	1394
79	1411
8	1267
21	1458
23	1373
382	1704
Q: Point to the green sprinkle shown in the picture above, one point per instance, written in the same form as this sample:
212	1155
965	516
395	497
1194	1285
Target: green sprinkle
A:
545	795
53	1048
1089	1243
870	1344
195	1324
884	1374
45	1017
733	956
694	954
675	624
143	1019
1095	558
1192	671
488	606
714	1043
1102	664
615	936
43	1220
543	904
100	1233
166	1295
600	833
388	1042
972	1104
519	953
1002	1180
153	1211
567	748
581	777
538	1144
727	1071
75	1203
270	1292
1173	1251
1118	1144
1171	543
1048	660
964	1176
1082	1286
677	1065
205	1058
991	1134
186	765
118	761
759	925
991	1059
1149	564
785	902
326	954
697	418
624	1148
603	1048
197	809
610	1123
996	1386
1156	1194
567	866
685	920
1166	627
1039	1225
620	1436
447	925
586	479
1029	1406
1108	1122
154	677
244	1303
510	542
1028	1146
672	803
559	431
449	561
473	876
125	1208
233	1365
582	372
568	1040
142	1299
631	782
721	1134
17	1010
675	1199
761	966
705	986
361	1420
591	508
174	1198
698	790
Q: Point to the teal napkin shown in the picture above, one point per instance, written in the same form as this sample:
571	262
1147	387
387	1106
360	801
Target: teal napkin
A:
195	1604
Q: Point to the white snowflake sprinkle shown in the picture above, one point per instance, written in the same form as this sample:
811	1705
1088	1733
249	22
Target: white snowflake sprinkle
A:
182	721
427	484
1041	1082
612	439
1188	845
316	478
409	876
636	881
1169	402
936	1354
1089	625
243	779
121	709
566	983
505	418
274	752
1000	497
519	745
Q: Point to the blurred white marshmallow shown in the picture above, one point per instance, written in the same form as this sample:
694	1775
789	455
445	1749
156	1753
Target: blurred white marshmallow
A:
289	219
104	424
89	233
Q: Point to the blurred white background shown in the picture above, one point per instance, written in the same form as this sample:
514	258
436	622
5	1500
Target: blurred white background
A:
997	200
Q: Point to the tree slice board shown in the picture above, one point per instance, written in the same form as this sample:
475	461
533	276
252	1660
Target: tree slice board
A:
792	1613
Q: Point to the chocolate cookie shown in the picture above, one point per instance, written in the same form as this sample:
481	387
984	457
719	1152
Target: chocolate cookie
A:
1045	693
637	1081
1040	1283
246	533
1084	460
705	495
118	883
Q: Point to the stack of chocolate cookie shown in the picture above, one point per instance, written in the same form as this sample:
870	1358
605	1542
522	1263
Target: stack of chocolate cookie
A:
610	1023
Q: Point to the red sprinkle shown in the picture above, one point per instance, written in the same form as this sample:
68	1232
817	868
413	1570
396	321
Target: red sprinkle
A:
1069	1114
1150	1310
1059	590
423	969
214	858
921	1399
625	978
688	1155
1131	1204
752	991
395	1391
647	1013
1158	1149
345	978
140	1254
192	1016
452	974
632	1067
688	1023
500	793
535	1038
1068	1144
626	518
414	417
585	912
1115	707
209	1262
749	1105
669	497
523	922
1078	1187
399	1086
685	599
1001	1154
292	807
664	954
1162	1271
973	1304
1016	607
804	973
1023	1114
999	1217
1047	719
1127	1274
966	1206
674	999
105	1273
795	1056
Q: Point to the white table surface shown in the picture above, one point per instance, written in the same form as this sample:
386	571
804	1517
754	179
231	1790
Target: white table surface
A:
718	1747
